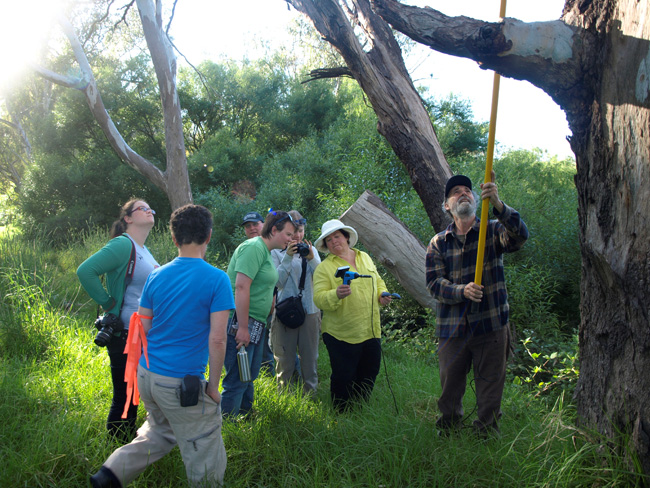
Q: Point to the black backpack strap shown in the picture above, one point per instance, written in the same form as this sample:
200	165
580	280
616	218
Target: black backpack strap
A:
303	275
130	269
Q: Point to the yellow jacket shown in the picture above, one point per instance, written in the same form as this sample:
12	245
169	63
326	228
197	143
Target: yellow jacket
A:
349	319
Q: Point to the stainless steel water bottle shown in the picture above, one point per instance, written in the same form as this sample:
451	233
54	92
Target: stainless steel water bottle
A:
244	367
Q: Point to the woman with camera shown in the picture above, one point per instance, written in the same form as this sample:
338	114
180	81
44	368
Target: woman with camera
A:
298	257
349	290
126	263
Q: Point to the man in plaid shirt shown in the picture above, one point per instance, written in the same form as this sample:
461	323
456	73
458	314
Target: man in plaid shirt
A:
471	320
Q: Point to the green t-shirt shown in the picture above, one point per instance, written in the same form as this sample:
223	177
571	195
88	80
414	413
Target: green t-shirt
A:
253	259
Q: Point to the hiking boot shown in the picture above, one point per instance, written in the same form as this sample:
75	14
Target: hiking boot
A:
448	424
104	478
485	431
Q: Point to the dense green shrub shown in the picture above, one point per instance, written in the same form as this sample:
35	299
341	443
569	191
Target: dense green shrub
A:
69	195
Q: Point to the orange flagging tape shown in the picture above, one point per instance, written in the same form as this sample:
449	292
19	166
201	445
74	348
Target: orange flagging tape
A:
135	345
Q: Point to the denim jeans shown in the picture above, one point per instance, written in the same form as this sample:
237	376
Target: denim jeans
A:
268	361
237	396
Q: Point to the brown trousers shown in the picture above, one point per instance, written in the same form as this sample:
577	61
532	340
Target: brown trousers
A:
487	355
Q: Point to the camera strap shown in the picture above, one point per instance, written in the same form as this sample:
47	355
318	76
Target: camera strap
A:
130	268
303	275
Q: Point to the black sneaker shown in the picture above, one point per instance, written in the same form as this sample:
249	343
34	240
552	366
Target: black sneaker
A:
485	431
104	478
447	425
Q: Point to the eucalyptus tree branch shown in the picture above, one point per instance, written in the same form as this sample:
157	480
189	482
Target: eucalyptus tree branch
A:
553	55
88	86
171	17
325	73
126	9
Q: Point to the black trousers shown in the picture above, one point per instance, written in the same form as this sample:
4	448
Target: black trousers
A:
122	429
354	370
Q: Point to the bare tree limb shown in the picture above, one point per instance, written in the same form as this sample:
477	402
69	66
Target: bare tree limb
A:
126	9
67	81
164	61
171	17
325	73
88	86
551	55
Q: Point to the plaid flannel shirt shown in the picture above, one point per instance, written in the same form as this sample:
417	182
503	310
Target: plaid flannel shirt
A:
450	265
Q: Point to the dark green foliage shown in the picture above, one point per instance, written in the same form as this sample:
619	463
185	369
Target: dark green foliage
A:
458	133
258	102
221	162
60	195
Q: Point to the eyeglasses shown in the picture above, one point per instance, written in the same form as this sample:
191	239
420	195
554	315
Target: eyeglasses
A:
302	221
144	209
281	219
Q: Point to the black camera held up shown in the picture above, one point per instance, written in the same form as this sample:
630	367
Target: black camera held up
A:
302	249
107	324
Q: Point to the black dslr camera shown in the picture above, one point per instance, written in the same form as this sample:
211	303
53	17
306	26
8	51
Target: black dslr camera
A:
302	249
107	324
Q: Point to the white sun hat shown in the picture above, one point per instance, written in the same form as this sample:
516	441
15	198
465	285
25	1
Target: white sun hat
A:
330	227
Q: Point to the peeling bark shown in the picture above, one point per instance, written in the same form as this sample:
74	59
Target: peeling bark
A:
550	55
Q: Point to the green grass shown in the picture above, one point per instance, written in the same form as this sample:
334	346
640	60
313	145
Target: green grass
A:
55	392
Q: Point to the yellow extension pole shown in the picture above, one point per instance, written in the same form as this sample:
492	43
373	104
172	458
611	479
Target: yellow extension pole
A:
488	169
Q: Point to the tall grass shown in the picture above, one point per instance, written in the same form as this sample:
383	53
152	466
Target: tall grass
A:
55	392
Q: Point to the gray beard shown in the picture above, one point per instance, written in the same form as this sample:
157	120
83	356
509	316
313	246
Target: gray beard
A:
464	209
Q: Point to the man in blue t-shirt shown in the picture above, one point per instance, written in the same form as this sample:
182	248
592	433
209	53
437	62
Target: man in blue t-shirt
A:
187	302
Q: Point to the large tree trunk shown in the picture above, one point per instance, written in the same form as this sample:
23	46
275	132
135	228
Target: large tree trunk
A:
392	243
613	181
379	69
595	63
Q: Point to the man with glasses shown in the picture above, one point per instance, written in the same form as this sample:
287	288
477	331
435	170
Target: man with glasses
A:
472	321
252	224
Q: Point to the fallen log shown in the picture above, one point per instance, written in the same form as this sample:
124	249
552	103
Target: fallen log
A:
391	243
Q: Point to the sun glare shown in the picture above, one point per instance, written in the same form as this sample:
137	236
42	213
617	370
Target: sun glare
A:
24	30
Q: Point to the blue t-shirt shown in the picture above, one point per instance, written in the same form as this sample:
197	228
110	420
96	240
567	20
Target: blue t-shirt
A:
182	295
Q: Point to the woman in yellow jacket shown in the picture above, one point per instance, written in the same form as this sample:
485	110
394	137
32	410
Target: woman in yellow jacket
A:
351	324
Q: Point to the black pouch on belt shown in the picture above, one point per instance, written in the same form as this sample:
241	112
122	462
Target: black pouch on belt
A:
190	387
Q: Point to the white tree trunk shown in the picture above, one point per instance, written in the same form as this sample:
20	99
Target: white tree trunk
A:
174	181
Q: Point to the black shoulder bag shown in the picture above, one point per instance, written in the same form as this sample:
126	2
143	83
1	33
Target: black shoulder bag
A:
290	310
